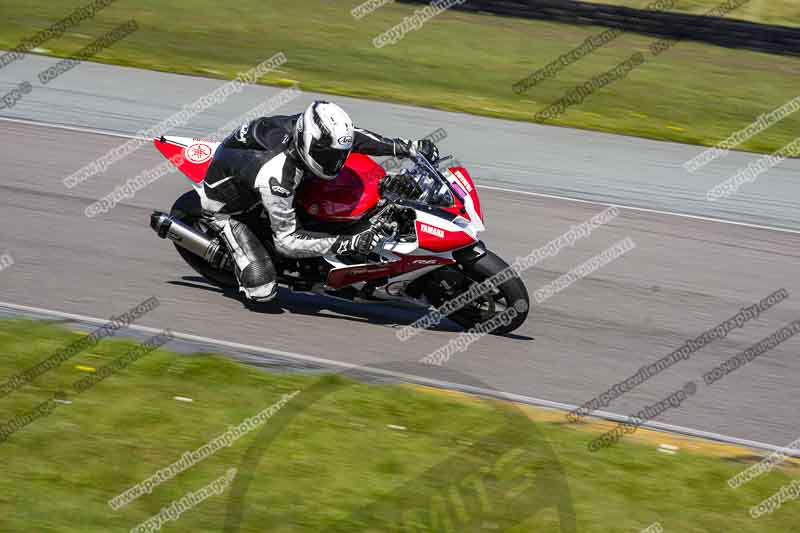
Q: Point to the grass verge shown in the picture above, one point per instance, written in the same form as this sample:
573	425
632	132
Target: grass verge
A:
339	456
693	93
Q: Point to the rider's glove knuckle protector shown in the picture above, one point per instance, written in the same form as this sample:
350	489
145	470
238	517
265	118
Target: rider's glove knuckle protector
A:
362	243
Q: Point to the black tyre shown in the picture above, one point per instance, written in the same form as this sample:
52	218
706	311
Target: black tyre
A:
511	293
187	210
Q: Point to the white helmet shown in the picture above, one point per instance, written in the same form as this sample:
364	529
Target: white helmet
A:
324	137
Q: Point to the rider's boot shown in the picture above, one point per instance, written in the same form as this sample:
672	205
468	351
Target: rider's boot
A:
253	266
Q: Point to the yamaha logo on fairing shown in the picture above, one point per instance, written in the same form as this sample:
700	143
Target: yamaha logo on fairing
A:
431	230
198	153
425	262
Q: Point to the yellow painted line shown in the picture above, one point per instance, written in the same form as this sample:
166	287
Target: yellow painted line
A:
638	115
668	442
676	128
592	114
85	368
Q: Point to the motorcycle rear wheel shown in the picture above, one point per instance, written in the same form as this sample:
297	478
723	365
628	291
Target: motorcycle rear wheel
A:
187	210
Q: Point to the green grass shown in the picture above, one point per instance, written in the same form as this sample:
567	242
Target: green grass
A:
328	461
458	61
781	12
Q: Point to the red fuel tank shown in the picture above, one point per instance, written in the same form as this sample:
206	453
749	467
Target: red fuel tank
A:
346	198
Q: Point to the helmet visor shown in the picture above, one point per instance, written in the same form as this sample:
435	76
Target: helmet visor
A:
330	159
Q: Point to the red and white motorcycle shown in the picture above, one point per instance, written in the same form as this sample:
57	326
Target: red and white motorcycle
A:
430	255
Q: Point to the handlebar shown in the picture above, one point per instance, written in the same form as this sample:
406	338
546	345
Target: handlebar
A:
382	221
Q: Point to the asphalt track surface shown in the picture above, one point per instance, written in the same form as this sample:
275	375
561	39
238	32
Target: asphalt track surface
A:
684	276
505	154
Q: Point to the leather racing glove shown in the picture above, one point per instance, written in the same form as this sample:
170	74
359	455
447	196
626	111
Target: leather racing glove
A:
361	243
424	147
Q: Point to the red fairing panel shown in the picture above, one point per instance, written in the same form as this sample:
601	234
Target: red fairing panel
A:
469	187
342	277
438	239
192	157
347	197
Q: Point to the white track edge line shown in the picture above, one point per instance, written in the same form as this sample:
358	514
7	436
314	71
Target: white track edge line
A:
441	384
72	128
641	209
490	187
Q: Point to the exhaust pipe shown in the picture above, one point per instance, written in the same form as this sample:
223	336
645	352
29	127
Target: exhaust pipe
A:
189	239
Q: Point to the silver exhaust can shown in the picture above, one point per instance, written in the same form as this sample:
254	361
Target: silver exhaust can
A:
188	238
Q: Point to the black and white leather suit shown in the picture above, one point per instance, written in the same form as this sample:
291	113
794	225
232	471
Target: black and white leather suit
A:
259	163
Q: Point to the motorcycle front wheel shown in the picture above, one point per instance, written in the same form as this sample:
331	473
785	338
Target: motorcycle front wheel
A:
450	282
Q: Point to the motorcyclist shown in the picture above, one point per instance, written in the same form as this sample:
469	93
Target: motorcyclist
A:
265	161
